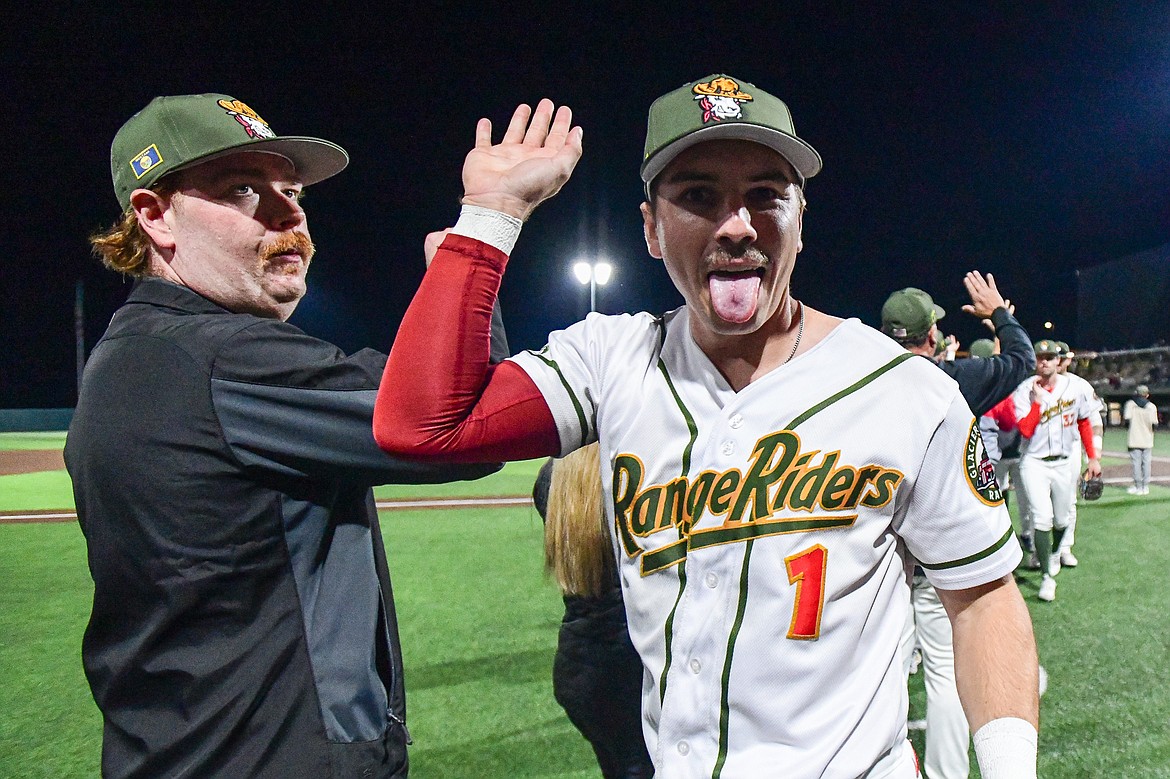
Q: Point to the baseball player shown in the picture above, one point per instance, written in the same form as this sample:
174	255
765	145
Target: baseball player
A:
769	466
1097	424
1052	410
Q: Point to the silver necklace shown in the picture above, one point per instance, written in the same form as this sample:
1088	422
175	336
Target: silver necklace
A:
799	333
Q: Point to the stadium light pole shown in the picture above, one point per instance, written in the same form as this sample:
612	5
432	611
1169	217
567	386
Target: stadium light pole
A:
594	274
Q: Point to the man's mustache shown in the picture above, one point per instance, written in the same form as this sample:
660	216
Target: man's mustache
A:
721	257
288	242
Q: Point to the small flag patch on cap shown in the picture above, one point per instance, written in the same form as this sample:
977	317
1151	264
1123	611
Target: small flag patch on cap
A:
145	160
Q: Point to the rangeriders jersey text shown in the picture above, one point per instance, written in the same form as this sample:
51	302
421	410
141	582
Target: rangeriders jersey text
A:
780	479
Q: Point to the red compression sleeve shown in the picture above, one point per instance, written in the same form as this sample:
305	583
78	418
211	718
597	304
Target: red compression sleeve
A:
439	399
1004	414
1086	428
1027	424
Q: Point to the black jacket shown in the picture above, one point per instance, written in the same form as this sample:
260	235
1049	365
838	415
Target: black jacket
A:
243	623
986	381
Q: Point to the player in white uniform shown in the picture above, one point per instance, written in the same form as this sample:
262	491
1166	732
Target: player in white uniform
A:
1052	412
1097	423
770	467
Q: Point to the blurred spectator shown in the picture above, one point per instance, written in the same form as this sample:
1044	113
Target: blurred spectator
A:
1142	417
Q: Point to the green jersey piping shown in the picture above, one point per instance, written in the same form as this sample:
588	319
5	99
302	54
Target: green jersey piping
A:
988	552
572	396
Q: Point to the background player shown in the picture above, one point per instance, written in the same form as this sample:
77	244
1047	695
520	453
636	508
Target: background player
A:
760	505
1052	410
1097	425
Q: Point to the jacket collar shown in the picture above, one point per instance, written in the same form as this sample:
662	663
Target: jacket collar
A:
160	292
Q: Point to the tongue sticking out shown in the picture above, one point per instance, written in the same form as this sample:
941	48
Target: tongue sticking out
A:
734	296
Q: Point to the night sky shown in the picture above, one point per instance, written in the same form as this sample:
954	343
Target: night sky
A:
1024	142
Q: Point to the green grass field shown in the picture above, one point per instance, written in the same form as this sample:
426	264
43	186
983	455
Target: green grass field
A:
478	623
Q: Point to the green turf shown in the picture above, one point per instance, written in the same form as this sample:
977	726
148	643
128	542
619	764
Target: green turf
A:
44	440
33	491
1115	438
49	725
478	624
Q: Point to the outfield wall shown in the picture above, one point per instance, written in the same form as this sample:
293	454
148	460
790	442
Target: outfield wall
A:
32	420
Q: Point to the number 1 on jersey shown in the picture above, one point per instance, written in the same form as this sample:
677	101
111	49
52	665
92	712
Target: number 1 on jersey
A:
806	570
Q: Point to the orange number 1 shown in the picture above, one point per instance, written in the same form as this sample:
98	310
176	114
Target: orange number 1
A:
807	571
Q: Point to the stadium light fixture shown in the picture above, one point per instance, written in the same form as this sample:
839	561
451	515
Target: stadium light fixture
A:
594	273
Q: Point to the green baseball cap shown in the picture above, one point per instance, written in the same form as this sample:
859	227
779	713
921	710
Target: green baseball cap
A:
176	132
1046	346
982	347
719	106
909	313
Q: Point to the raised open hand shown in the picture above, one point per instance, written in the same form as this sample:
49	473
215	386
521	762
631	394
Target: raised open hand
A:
528	166
985	298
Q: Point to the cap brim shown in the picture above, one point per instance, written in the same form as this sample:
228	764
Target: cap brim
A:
315	159
800	155
939	311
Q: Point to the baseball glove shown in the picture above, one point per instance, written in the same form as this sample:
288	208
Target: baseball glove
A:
1091	489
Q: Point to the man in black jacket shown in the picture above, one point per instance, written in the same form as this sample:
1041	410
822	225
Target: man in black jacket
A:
243	623
910	316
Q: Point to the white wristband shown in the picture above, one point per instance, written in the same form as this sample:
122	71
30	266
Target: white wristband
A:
1006	749
491	227
1098	442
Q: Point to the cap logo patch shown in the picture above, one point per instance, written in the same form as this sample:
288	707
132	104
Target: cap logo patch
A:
720	99
249	119
145	160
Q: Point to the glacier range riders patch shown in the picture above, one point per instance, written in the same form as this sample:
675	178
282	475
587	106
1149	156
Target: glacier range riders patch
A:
979	469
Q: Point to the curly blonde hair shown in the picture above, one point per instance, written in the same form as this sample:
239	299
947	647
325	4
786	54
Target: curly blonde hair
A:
577	550
125	247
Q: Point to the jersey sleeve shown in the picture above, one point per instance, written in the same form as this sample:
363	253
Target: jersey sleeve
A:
601	358
954	522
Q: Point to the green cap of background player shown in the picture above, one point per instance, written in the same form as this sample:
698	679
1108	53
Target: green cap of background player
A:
1065	349
982	348
1045	346
909	313
719	106
172	133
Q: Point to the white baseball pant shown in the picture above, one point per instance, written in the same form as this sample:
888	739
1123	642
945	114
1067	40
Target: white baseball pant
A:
947	734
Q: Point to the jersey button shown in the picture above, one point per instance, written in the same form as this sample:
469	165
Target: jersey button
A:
736	421
696	666
711	580
728	448
684	748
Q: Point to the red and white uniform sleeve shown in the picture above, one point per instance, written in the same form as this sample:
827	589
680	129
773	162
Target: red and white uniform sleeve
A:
439	398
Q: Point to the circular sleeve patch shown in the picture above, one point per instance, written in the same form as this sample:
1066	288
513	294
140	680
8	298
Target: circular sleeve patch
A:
980	470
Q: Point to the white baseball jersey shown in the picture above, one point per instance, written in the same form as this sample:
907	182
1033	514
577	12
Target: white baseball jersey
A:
763	535
1071	399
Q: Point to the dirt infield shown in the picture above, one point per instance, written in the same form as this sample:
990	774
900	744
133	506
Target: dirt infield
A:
30	461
